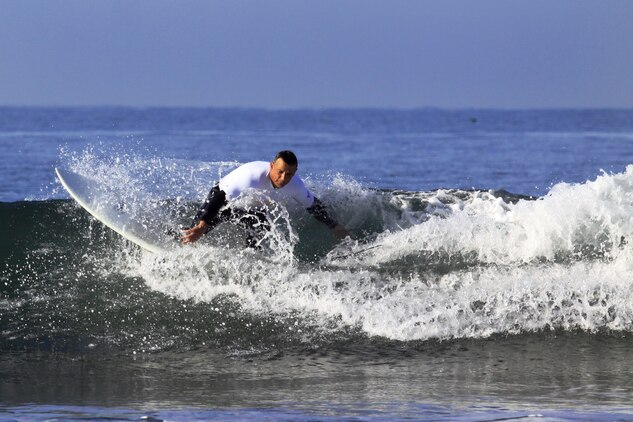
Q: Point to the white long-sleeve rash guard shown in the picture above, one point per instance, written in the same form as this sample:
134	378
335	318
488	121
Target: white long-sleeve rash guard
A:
253	176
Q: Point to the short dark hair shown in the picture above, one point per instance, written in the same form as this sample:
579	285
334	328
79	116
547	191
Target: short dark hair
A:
289	157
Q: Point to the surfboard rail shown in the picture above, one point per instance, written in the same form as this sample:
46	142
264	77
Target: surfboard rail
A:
85	192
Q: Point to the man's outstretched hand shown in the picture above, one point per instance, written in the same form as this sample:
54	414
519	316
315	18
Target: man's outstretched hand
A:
340	232
194	233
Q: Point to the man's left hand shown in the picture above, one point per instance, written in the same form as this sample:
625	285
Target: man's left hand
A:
340	232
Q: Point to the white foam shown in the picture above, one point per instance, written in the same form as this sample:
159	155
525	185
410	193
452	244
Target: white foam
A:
472	303
569	221
440	265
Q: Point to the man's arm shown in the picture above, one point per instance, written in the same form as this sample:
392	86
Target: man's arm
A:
318	211
206	216
193	234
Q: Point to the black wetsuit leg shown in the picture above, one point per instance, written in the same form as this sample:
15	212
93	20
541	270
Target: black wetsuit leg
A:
254	222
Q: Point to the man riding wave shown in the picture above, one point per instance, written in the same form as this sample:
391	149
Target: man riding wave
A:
276	179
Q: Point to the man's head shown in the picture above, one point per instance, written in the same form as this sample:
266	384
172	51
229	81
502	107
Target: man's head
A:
282	168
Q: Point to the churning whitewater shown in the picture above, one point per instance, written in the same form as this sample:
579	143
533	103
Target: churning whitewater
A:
422	265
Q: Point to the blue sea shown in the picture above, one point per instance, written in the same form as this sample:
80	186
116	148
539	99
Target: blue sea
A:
488	275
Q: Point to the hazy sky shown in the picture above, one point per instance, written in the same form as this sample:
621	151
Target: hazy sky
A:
294	53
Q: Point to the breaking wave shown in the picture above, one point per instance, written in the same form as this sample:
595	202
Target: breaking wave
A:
421	265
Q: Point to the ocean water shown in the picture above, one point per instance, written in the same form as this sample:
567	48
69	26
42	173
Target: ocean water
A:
488	276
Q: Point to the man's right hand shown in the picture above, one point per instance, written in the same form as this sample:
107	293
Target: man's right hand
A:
194	233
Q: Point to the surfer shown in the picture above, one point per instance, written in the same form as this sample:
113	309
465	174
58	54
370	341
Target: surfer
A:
275	179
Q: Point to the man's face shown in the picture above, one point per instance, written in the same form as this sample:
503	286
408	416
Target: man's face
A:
281	173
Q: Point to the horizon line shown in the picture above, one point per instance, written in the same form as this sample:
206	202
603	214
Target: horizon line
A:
316	108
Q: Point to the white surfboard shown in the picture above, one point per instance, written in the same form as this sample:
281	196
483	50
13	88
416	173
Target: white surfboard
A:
97	200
